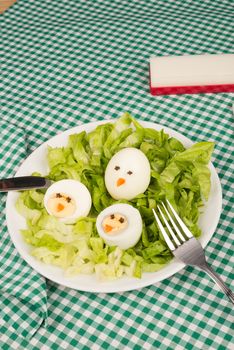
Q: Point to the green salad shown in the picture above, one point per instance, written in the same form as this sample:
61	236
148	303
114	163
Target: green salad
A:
178	174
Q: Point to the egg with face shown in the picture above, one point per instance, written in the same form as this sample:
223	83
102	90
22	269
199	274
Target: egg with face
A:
127	174
67	200
120	225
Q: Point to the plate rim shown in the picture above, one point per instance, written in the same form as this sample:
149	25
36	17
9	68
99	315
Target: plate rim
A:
113	286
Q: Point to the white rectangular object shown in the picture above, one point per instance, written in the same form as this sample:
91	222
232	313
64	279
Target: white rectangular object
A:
192	74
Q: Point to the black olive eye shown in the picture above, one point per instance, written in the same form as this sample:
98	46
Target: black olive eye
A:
117	167
129	172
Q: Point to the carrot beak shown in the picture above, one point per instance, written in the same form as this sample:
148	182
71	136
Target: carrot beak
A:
120	181
60	207
108	228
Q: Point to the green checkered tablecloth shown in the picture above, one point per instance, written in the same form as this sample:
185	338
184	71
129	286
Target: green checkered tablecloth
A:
65	63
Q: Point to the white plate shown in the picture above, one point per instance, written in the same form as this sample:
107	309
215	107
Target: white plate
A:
37	162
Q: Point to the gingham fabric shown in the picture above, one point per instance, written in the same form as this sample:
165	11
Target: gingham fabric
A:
65	63
22	290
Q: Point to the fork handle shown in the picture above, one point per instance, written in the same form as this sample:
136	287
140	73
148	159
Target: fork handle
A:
208	269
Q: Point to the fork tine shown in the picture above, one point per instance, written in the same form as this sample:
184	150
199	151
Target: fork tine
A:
173	224
168	227
163	231
182	225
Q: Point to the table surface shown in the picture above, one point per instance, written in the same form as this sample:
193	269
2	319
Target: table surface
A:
71	62
5	4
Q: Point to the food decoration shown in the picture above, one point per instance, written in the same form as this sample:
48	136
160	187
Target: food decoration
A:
67	200
97	215
127	174
120	225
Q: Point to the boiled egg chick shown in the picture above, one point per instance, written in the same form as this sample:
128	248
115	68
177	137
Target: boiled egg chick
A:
127	174
120	225
67	200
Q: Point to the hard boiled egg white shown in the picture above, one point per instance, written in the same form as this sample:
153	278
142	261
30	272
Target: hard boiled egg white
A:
67	200
127	174
120	225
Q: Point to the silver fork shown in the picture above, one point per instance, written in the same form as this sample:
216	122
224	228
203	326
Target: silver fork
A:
185	246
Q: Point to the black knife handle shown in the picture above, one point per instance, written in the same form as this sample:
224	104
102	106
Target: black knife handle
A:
23	183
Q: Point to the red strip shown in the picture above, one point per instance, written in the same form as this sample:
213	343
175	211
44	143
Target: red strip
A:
198	89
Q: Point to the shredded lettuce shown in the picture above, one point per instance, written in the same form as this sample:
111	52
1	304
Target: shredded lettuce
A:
178	174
